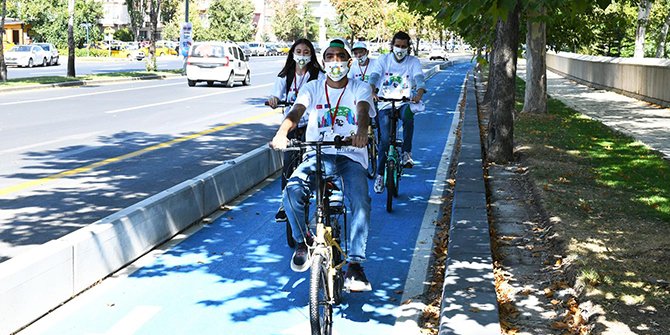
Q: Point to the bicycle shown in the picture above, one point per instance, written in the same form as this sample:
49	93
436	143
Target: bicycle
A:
293	162
393	168
328	258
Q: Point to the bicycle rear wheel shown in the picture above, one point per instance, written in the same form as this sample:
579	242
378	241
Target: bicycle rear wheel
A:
390	184
320	308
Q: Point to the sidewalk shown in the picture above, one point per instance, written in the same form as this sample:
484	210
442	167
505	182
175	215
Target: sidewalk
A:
645	122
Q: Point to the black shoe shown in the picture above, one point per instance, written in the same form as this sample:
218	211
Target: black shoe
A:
355	280
281	215
301	259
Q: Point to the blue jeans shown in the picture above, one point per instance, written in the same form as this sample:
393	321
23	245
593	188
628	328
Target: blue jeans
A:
407	118
354	184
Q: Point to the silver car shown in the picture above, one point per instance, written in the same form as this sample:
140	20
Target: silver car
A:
217	62
27	55
50	48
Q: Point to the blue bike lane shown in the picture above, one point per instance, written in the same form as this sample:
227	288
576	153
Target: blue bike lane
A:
232	276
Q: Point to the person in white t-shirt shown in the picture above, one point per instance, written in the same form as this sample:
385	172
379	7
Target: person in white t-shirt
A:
398	75
301	67
334	106
363	64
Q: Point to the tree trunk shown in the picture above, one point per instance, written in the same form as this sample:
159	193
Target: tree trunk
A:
153	27
660	48
535	99
70	39
643	10
488	96
500	140
3	66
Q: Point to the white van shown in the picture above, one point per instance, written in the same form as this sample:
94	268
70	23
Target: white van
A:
217	61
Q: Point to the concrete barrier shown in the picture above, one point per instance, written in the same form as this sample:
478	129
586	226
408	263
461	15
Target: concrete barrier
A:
46	276
645	79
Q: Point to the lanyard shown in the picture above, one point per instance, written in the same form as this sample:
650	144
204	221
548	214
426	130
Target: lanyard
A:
363	72
296	88
333	114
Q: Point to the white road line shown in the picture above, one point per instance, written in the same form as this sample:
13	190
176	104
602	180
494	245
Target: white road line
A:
132	322
184	99
85	94
62	139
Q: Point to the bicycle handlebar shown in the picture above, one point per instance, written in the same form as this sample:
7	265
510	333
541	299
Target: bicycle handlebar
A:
403	99
281	103
338	142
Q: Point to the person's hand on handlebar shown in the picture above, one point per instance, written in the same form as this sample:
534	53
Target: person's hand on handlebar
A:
279	142
272	102
359	139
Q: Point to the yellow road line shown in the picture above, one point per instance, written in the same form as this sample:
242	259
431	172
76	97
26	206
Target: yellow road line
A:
72	172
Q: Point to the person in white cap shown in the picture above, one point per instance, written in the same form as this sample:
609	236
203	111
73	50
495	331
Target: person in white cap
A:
335	106
399	75
363	64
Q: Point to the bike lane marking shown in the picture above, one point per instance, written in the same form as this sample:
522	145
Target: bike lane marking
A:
232	275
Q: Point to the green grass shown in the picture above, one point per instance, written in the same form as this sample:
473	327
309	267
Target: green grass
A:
611	198
45	80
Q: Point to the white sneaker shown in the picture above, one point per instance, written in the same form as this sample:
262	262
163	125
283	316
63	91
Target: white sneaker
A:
379	184
407	160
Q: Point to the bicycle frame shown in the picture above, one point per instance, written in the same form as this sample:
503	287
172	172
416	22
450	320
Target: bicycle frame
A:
393	168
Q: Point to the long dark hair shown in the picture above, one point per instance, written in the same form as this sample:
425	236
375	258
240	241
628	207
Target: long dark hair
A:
313	66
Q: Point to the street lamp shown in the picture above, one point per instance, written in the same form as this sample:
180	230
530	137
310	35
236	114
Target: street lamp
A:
88	45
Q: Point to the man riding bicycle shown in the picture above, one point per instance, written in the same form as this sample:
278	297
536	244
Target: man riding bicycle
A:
362	67
399	75
335	106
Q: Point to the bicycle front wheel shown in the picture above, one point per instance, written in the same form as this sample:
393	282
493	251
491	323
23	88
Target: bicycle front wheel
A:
372	156
390	184
320	308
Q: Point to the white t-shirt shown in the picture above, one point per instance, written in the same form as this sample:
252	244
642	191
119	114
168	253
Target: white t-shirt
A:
362	72
323	125
279	90
396	79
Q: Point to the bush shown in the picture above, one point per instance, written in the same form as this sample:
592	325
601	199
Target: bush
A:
123	35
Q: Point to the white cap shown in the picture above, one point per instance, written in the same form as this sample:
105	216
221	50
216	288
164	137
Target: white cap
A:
359	45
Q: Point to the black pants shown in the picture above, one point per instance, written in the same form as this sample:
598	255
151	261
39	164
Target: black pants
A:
292	158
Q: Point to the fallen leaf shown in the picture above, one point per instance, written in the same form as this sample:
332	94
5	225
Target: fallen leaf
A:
475	310
559	325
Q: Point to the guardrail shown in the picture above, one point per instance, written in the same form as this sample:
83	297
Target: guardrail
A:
645	79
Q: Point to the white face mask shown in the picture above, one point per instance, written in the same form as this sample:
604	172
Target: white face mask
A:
301	61
400	53
362	59
336	70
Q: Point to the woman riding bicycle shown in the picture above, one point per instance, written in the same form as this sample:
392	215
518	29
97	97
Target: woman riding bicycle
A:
398	75
334	106
301	67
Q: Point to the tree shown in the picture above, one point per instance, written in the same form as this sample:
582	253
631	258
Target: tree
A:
172	28
154	11
644	9
359	15
136	10
70	39
231	20
3	66
535	98
286	23
661	18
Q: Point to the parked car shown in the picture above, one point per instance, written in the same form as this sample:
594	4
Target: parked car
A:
50	48
217	61
7	45
273	49
284	48
438	53
258	48
27	55
245	49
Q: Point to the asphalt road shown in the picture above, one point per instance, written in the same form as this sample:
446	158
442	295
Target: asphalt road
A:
71	156
84	66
